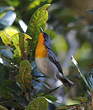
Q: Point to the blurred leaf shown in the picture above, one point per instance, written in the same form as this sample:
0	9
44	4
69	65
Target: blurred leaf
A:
60	44
6	35
90	11
49	1
6	39
68	107
20	43
72	102
37	21
13	2
76	27
89	78
36	3
39	103
6	51
85	49
5	91
24	77
51	33
67	15
81	99
22	25
51	98
5	59
5	8
3	108
11	30
8	19
15	40
67	11
23	44
10	94
4	71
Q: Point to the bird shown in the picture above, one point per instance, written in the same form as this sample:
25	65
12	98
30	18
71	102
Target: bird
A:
47	61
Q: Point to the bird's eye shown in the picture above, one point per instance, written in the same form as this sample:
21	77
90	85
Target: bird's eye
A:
45	39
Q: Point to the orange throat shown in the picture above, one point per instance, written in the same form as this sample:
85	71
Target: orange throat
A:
41	51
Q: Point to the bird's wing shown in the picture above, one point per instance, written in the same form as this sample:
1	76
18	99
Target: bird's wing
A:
53	58
51	54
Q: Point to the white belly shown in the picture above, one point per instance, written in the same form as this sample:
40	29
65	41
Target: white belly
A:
46	67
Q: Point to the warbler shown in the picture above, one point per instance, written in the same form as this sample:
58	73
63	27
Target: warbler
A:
47	62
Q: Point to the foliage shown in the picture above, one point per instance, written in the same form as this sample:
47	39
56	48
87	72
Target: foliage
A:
17	78
24	77
2	108
22	86
39	103
37	21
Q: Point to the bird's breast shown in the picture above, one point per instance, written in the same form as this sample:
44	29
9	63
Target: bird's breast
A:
41	51
46	67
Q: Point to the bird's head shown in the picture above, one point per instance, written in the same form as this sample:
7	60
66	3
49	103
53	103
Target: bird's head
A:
44	39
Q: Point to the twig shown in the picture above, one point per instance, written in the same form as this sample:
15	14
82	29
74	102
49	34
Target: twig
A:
82	76
71	107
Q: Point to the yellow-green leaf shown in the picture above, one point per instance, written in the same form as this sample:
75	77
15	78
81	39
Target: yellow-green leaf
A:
21	44
37	21
39	103
3	108
6	39
11	31
6	35
24	77
36	3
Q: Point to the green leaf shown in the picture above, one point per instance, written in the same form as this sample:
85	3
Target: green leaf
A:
13	2
5	38
6	51
7	34
37	21
39	103
51	98
15	40
4	71
11	30
6	90
3	108
21	44
81	99
5	8
51	33
24	77
36	3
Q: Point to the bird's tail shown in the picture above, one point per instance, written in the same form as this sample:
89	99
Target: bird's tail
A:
66	82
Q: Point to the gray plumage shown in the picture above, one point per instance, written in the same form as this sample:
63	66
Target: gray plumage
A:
53	58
